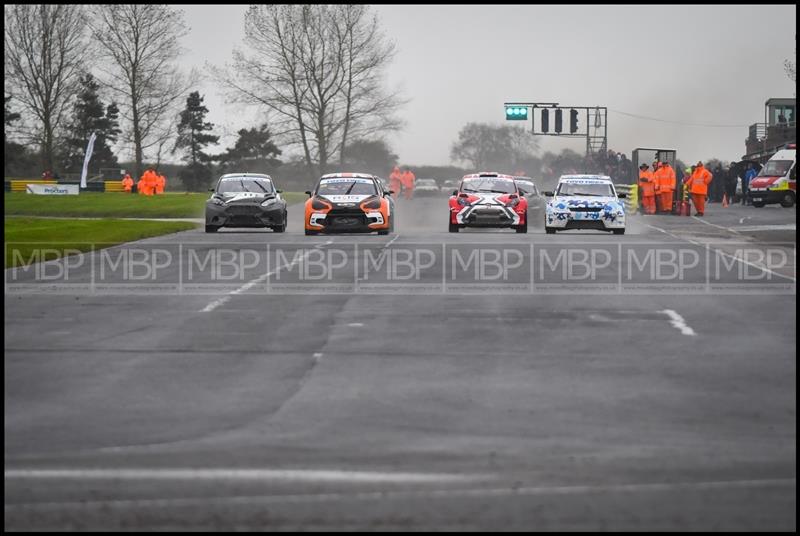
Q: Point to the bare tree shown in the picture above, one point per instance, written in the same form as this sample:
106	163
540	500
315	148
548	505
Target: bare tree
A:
369	108
45	51
141	45
490	147
790	67
318	70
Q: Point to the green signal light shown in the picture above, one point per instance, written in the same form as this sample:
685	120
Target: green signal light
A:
516	112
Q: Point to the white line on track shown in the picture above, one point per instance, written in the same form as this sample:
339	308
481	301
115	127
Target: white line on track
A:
260	279
266	475
389	243
678	322
507	491
770	227
728	255
701	220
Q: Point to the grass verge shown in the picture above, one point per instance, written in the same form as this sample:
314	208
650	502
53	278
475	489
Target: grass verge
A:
38	239
115	205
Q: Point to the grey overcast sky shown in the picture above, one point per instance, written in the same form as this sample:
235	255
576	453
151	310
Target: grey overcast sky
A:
696	64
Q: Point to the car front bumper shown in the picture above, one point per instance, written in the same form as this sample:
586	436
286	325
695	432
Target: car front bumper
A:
339	221
488	216
767	196
569	219
244	215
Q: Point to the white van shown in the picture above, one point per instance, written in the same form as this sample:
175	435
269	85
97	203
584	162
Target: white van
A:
777	180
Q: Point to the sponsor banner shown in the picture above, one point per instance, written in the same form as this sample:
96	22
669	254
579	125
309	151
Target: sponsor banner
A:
52	189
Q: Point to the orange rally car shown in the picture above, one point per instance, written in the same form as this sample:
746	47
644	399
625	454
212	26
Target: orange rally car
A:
349	203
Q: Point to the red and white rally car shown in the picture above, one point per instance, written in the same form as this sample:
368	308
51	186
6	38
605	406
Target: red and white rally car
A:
488	199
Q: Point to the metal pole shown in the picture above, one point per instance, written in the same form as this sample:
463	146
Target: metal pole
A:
588	142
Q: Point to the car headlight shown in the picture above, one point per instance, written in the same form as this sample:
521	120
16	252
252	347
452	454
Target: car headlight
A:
375	202
216	200
268	202
318	204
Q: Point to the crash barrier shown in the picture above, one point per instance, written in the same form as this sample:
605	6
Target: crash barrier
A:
19	185
632	199
114	186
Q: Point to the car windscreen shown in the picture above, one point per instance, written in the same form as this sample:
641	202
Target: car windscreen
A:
489	185
591	189
527	187
776	168
256	185
346	187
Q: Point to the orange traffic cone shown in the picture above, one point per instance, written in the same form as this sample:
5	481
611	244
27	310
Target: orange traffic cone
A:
724	200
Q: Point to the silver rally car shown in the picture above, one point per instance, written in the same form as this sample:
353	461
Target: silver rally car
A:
245	200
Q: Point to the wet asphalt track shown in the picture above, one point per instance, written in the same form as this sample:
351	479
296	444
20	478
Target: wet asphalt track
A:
434	403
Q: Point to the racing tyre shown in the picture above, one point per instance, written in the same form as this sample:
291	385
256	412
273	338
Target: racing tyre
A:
311	233
384	232
619	231
211	228
453	228
549	230
787	201
524	227
759	204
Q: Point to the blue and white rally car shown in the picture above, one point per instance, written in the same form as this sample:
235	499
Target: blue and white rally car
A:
585	202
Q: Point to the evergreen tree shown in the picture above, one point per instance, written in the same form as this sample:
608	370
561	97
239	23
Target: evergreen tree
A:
253	151
193	138
90	115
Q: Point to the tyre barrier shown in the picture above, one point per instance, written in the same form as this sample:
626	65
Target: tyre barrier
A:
632	198
19	185
113	186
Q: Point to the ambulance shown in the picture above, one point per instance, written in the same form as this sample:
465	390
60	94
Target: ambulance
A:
777	180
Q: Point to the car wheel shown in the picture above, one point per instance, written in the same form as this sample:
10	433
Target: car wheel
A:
211	228
522	228
384	232
453	228
759	204
549	230
619	231
788	200
311	233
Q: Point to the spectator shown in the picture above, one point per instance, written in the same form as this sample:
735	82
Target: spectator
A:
717	186
731	178
748	176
